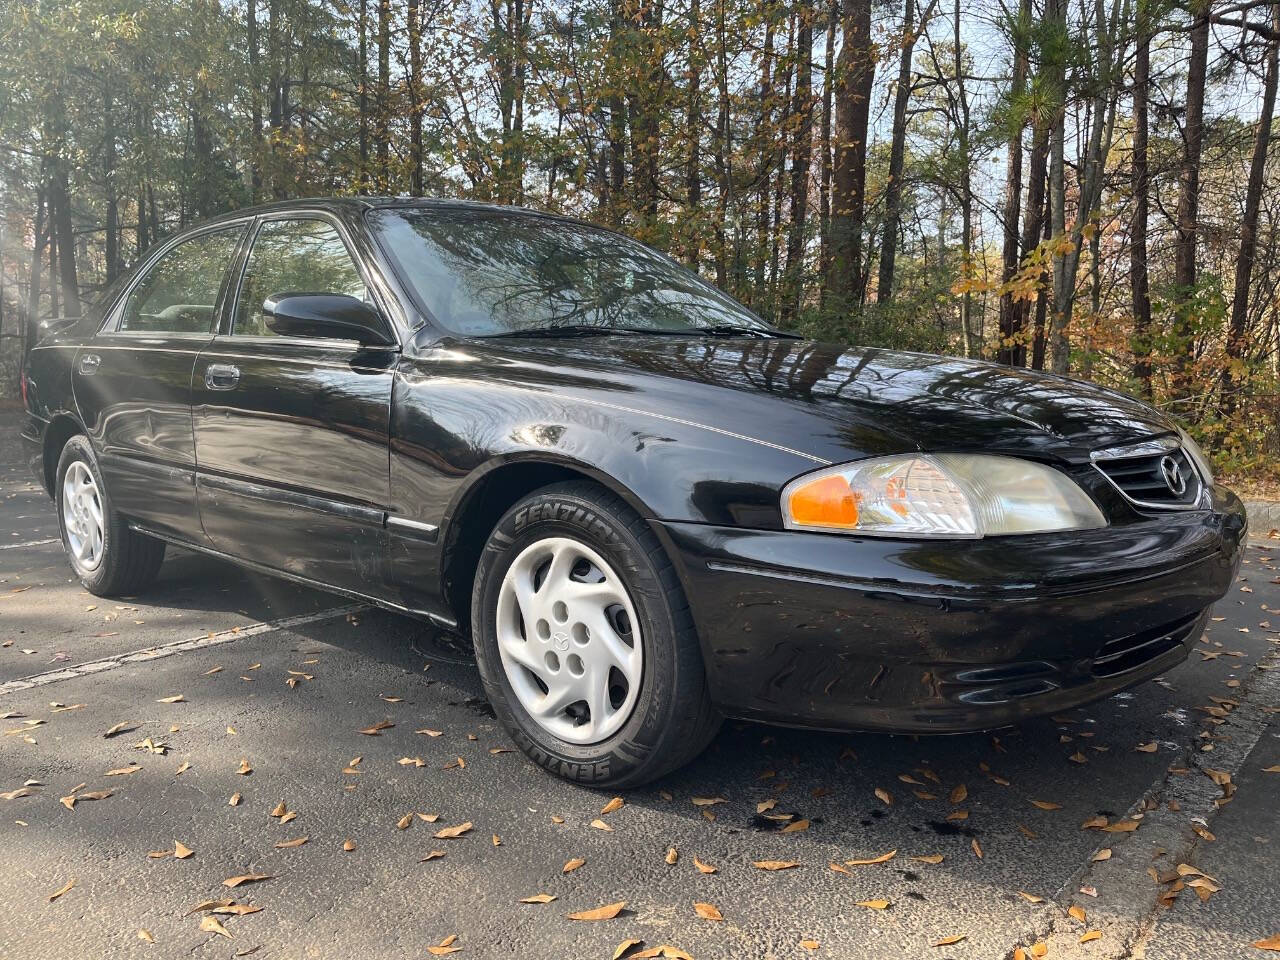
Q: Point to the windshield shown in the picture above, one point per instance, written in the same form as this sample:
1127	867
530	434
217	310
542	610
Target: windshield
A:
482	273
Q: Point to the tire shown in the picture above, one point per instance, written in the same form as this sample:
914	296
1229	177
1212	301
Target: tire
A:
124	561
671	718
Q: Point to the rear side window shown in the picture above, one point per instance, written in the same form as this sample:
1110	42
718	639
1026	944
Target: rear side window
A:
293	256
180	292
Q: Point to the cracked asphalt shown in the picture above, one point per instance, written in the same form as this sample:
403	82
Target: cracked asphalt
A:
73	666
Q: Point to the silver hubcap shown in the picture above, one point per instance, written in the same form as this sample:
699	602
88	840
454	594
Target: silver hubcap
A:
569	640
82	516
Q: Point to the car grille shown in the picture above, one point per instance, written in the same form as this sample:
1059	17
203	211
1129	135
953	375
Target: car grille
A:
1150	479
1130	652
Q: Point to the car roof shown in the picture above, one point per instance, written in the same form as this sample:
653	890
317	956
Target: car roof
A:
361	203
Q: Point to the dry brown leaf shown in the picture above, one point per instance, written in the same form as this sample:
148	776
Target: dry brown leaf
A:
809	944
873	904
666	951
1094	823
449	833
431	733
176	698
288	817
1274	768
795	827
934	858
1151	747
348	845
948	941
623	947
704	867
1122	826
612	805
1103	854
1030	897
672	856
1039	948
238	909
246	878
958	815
977	847
405	822
15	794
145	934
766	805
279	810
183	767
607	912
959	794
885	796
433	855
539	898
123	771
211	924
1076	913
1090	935
883	858
429	817
288	844
707	911
62	889
774	864
1270	943
576	862
181	851
244	769
1046	804
377	728
601	825
209	905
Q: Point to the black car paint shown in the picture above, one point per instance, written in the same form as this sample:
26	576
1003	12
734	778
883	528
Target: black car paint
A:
373	471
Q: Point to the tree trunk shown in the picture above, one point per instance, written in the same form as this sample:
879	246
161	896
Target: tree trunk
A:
112	228
1231	374
1139	279
415	99
255	102
897	152
801	151
31	319
1187	217
972	338
382	130
363	54
60	219
693	135
855	70
1012	349
824	169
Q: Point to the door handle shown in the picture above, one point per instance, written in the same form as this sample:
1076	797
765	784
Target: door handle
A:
89	364
221	376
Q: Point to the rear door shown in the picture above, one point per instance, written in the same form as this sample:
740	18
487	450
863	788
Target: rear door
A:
132	382
291	433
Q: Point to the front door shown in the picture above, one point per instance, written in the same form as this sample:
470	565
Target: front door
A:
291	433
132	381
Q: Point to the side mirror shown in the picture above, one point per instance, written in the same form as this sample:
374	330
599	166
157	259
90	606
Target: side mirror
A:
325	315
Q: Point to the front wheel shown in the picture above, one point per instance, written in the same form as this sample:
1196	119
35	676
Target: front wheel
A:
108	557
585	642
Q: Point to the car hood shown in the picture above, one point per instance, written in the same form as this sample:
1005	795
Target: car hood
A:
830	402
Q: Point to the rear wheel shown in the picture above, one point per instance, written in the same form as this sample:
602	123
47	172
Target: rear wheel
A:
108	557
584	640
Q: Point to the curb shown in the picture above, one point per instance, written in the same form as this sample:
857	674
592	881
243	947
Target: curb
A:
1264	517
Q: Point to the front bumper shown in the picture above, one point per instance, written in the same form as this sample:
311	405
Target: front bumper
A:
843	632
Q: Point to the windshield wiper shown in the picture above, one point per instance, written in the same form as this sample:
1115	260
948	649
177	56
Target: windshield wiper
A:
728	330
565	330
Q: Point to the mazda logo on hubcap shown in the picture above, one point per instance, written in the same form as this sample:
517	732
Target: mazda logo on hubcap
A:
1173	478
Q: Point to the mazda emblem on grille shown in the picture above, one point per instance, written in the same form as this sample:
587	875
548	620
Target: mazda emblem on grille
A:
1173	477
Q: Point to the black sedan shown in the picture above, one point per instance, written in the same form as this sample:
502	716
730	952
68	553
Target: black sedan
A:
647	507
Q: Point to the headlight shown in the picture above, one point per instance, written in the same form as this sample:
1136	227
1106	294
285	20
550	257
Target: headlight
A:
1197	456
938	495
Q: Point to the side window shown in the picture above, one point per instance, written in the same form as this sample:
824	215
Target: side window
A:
293	256
180	291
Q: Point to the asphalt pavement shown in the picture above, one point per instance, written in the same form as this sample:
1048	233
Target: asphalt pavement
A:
354	742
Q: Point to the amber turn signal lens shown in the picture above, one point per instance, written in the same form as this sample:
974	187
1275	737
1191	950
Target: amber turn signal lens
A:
825	502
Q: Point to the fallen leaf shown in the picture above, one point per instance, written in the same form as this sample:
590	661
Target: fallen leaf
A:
958	815
444	947
348	845
948	941
119	728
1090	935
146	935
1122	826
708	801
405	822
774	864
612	805
429	733
246	878
433	855
183	767
1046	805
607	912
235	800
873	904
1271	943
883	858
210	924
1103	854
449	833
539	898
623	947
601	825
180	851
287	844
959	794
977	847
62	889
929	858
765	805
1030	897
672	856
1039	948
1151	747
885	796
1076	913
704	867
244	769
809	944
796	827
1094	823
377	728
707	911
15	794
576	862
176	698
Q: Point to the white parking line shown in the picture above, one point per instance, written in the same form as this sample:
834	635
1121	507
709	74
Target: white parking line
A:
177	646
29	543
